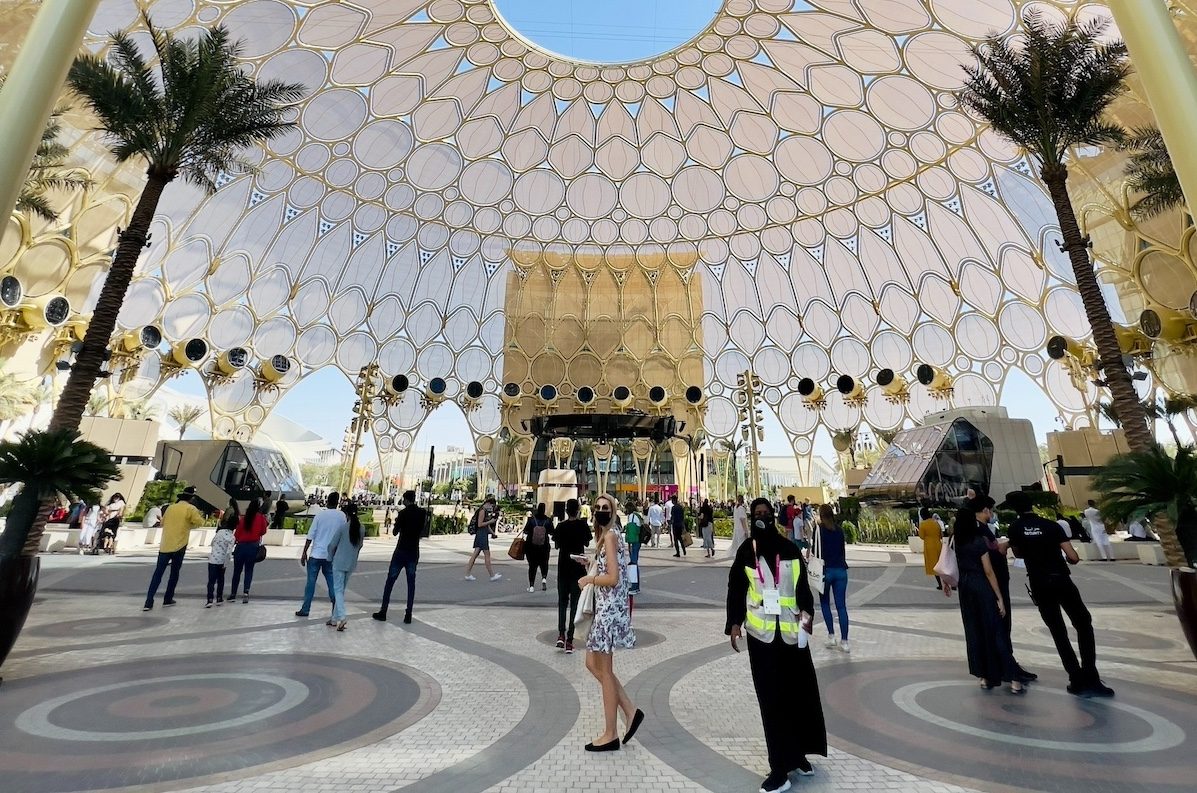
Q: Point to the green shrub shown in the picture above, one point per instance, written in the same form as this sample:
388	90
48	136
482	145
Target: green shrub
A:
449	524
724	527
158	491
849	529
889	526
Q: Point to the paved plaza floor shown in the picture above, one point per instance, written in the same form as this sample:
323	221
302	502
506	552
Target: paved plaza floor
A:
98	695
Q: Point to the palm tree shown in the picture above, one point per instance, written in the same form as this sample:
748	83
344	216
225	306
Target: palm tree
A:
48	462
1153	483
1166	409
184	416
733	447
17	397
1047	91
97	405
190	115
1150	171
48	170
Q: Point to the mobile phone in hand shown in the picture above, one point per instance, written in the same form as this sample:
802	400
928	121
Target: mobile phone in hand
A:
579	558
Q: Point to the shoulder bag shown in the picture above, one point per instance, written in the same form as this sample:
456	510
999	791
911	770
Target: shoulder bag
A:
516	551
814	563
947	568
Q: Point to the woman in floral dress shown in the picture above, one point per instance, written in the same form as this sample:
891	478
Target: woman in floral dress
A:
612	626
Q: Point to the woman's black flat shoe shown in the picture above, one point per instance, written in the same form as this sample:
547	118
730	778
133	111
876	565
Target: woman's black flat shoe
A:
631	733
613	746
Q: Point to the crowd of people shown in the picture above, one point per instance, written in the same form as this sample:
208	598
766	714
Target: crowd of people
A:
784	554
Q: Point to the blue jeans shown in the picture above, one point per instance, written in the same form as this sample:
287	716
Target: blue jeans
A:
634	551
835	581
402	560
245	556
315	568
340	580
175	560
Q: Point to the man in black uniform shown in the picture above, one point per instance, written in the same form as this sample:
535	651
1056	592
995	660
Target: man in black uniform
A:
409	525
1042	545
572	535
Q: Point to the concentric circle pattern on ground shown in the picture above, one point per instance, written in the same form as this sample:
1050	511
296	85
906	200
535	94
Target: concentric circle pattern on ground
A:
927	719
176	720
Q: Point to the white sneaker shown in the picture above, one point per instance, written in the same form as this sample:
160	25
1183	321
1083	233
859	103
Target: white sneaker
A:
844	647
832	642
496	576
470	578
531	589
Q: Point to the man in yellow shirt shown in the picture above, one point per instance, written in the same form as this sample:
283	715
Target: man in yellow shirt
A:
177	522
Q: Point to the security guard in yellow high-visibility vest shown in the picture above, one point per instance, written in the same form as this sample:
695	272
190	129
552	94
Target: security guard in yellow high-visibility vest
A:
769	599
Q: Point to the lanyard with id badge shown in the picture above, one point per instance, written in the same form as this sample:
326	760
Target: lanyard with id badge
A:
770	595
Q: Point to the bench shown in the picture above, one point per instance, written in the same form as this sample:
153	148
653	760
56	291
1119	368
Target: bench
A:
1150	553
279	537
1121	551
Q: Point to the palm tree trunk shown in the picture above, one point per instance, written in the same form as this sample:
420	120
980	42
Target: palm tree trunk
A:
1174	554
90	359
1122	390
1172	429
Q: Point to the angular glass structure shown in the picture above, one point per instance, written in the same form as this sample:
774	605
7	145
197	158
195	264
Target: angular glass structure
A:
936	464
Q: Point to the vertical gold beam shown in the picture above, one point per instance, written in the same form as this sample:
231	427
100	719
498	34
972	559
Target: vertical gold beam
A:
1169	80
33	86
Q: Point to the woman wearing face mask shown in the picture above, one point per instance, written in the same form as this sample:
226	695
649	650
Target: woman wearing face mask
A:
768	598
612	626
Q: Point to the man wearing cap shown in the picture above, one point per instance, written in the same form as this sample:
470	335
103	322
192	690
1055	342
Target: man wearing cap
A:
1047	552
177	522
409	526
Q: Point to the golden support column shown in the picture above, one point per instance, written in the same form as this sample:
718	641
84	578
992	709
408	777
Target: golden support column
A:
1166	72
33	86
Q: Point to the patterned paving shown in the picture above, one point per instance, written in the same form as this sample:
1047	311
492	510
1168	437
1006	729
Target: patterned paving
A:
473	697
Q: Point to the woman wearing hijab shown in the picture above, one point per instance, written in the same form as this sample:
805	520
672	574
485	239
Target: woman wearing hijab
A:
982	607
706	525
769	598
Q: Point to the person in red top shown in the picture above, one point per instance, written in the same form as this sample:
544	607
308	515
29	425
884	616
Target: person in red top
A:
251	528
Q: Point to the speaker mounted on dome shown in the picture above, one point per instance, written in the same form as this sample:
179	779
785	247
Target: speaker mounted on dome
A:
893	387
622	398
187	354
512	394
1132	341
547	395
658	397
585	396
434	393
148	337
472	396
937	381
852	389
1166	324
1062	348
695	396
813	396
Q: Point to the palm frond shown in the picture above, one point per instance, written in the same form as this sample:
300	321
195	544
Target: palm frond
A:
57	461
193	113
1048	89
1150	171
1153	483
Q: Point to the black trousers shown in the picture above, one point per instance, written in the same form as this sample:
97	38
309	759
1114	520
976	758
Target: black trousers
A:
1055	594
216	581
568	594
678	545
538	559
788	693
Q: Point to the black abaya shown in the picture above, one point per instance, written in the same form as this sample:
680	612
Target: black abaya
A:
783	674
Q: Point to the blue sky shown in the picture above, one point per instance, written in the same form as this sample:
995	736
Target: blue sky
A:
610	30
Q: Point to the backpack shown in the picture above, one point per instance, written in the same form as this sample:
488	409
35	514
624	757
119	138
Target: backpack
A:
473	528
540	533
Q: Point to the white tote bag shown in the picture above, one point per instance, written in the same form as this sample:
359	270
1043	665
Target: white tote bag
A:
586	601
814	564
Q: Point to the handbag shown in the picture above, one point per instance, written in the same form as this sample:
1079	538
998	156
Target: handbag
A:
516	551
586	599
261	553
687	539
814	565
947	568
